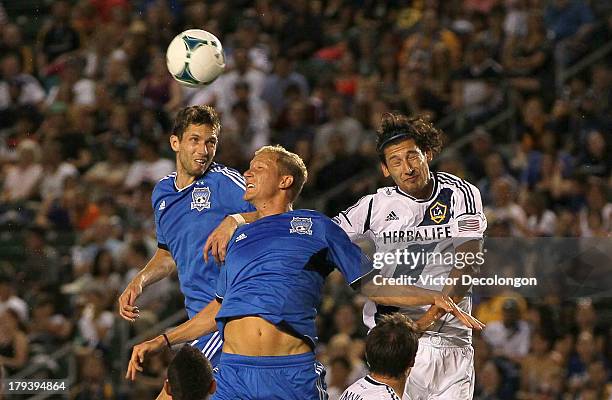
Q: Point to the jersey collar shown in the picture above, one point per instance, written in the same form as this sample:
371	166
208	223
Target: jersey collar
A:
373	381
194	181
433	192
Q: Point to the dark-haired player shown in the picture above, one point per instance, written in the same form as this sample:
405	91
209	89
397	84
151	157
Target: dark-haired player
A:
433	215
190	376
188	204
391	348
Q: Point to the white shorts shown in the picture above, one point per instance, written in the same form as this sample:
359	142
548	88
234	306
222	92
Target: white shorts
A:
441	371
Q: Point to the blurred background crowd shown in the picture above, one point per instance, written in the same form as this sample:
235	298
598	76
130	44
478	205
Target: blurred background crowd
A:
522	89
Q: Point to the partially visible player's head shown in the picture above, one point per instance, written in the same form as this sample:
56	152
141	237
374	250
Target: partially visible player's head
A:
405	147
194	139
190	376
391	346
275	170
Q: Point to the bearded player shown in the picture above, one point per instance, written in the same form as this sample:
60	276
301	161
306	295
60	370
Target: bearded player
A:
437	217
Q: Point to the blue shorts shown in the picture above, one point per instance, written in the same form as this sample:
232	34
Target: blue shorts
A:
210	345
298	377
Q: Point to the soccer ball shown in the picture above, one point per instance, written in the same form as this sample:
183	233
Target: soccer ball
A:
195	57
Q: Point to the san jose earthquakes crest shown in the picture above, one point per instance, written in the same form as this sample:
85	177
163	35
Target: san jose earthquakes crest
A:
301	226
200	198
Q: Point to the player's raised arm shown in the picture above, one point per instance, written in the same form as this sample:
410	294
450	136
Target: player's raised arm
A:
358	270
160	266
201	324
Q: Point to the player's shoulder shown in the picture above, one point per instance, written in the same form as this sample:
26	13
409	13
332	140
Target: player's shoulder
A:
368	389
366	201
164	184
447	179
221	173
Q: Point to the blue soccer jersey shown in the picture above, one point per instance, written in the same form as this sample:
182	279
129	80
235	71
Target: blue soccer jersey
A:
184	218
275	268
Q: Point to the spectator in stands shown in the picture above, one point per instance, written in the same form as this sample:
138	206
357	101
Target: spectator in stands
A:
48	328
538	365
57	36
158	89
93	382
276	84
110	172
17	87
339	124
242	71
9	299
13	341
22	179
149	168
570	23
56	171
474	85
511	336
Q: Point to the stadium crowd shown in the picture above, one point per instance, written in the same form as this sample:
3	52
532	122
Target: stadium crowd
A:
85	107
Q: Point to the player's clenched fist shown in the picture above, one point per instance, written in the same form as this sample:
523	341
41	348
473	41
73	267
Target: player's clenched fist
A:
138	355
127	301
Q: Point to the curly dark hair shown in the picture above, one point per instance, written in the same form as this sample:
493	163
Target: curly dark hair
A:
396	127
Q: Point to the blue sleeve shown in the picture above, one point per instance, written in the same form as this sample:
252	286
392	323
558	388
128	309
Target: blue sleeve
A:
586	15
233	188
345	255
221	284
161	240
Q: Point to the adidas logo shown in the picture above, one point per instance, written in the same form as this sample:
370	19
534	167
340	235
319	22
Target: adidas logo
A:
240	237
162	205
392	217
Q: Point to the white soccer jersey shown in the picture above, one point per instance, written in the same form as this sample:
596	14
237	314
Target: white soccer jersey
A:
368	388
429	230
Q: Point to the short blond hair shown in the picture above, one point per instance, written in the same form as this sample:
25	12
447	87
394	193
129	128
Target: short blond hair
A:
289	164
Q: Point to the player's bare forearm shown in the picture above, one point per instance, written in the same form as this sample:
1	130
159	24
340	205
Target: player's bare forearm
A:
457	290
404	296
159	266
201	324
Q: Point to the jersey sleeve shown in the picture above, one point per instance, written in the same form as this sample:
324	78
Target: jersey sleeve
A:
161	240
355	220
469	220
233	187
346	256
221	284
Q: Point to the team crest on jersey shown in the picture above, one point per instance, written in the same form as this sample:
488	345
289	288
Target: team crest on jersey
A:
301	226
200	198
437	212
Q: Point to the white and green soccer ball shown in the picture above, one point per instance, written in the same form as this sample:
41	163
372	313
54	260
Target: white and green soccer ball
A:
195	57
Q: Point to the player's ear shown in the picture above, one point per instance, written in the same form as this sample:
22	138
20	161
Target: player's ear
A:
428	156
167	388
174	142
213	387
385	170
286	181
